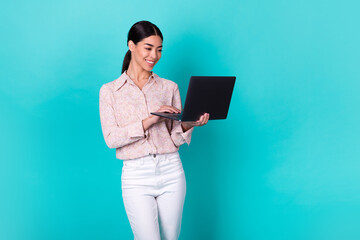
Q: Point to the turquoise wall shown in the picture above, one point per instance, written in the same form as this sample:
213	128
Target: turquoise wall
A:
284	165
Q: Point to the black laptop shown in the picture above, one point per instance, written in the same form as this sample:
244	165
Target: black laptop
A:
205	95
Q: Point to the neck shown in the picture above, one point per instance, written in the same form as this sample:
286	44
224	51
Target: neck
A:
137	73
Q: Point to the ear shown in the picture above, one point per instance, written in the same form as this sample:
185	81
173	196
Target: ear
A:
131	45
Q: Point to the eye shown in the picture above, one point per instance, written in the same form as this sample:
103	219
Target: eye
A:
148	49
160	50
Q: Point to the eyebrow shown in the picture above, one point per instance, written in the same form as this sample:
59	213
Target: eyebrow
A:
152	45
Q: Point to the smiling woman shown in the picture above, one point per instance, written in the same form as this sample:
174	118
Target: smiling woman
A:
146	53
150	49
153	179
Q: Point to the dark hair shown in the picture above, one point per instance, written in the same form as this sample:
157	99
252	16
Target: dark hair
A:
138	32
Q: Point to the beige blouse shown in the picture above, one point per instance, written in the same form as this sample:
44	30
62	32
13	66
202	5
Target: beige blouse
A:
123	106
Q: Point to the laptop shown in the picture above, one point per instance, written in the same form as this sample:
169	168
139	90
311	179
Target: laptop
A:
206	94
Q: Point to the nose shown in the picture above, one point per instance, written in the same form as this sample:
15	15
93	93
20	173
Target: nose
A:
154	55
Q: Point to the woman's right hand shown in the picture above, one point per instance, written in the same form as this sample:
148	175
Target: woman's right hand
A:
155	119
164	108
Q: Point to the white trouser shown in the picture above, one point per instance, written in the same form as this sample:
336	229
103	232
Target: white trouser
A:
154	187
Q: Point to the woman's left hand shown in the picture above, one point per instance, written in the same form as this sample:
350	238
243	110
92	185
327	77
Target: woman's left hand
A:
201	122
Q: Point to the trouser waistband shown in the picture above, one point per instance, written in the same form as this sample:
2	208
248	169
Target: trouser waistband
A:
153	157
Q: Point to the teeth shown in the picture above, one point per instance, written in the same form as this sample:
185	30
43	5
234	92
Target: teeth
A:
149	62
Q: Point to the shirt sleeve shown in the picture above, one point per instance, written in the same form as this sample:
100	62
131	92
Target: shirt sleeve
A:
178	136
115	136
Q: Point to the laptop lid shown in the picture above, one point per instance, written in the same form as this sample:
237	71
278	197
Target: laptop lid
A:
208	94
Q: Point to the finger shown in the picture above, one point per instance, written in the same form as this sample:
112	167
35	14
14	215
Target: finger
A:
207	118
174	108
203	121
170	109
200	120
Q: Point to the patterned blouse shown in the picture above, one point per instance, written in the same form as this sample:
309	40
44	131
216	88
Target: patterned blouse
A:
123	106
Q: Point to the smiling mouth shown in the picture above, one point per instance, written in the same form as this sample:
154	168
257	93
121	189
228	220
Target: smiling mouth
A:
150	62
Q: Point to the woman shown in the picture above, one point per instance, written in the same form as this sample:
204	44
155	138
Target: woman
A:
153	180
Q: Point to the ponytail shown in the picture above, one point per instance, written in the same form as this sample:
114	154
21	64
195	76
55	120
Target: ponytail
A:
126	61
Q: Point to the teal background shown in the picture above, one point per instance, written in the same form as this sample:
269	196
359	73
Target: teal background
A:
284	165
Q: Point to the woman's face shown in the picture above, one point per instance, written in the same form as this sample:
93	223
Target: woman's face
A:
147	52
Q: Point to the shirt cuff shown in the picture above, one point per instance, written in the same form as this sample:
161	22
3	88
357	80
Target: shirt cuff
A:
185	136
136	130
